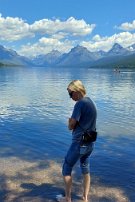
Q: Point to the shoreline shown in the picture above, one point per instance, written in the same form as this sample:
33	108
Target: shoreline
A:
42	181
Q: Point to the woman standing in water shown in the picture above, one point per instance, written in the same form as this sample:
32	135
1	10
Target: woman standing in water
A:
83	118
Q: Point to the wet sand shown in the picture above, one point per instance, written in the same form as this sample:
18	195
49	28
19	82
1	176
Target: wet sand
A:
22	181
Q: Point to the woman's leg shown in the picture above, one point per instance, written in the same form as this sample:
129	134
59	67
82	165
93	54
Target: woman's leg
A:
86	186
70	160
84	164
68	185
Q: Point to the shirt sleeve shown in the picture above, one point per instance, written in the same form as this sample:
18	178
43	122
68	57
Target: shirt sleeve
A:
76	111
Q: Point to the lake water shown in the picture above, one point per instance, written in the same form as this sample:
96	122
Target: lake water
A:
34	109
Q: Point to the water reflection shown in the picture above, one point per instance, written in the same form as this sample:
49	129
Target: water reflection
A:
35	106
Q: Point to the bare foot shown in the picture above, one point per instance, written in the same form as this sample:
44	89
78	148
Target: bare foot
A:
63	199
85	199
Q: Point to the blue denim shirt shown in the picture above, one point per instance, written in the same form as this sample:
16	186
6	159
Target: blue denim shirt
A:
85	113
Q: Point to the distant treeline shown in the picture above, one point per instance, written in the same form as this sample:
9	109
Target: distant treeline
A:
1	64
119	61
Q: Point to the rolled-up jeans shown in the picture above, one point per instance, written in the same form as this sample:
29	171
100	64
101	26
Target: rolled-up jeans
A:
73	155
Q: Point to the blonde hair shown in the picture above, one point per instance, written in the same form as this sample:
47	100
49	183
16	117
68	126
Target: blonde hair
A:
77	86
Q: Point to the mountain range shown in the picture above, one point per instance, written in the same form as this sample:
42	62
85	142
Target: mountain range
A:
10	57
77	56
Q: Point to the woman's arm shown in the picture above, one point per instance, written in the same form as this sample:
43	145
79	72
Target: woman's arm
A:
72	123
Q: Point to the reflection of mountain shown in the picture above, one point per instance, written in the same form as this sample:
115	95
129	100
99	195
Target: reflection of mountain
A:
78	56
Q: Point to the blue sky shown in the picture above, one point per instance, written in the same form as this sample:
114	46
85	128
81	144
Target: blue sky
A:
33	27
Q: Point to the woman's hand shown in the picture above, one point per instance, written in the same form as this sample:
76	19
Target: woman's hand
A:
71	124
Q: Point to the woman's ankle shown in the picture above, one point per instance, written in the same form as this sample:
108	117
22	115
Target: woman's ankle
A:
68	199
85	198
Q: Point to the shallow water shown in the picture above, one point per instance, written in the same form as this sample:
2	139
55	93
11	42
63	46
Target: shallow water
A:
34	109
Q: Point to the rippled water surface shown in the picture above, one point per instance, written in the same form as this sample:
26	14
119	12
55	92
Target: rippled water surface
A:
34	109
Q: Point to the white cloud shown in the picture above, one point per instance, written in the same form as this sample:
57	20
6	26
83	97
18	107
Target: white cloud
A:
97	37
71	26
13	29
45	45
105	43
60	35
127	26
